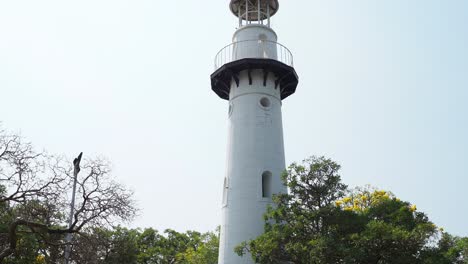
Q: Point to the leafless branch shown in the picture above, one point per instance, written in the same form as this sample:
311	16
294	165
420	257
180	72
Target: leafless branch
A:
38	183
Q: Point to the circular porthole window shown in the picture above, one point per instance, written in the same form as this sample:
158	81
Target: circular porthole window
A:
265	102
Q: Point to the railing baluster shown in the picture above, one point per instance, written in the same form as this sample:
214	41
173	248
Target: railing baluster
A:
282	54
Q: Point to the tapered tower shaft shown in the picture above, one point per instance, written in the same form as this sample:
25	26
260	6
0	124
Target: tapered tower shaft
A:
254	73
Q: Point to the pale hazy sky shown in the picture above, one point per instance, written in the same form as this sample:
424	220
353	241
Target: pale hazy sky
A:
383	91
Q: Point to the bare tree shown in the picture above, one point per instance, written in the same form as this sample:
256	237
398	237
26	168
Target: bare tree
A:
20	171
45	180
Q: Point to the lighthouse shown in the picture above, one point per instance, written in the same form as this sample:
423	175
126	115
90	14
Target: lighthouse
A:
255	74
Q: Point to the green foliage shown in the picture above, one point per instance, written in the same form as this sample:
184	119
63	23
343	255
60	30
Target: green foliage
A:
296	228
205	252
123	247
30	249
148	246
320	221
450	250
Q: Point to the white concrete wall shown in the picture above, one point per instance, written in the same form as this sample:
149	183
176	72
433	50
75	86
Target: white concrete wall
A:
254	31
255	145
254	41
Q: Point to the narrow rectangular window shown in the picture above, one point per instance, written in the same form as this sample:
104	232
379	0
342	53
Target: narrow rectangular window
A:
266	184
225	191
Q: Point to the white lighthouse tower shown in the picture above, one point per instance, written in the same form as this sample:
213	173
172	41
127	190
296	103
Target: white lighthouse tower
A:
255	73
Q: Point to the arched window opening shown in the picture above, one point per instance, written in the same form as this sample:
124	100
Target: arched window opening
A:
266	184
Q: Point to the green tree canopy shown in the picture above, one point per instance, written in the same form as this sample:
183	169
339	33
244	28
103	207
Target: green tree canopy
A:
321	221
148	246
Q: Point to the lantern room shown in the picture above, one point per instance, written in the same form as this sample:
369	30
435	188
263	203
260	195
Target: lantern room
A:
254	11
